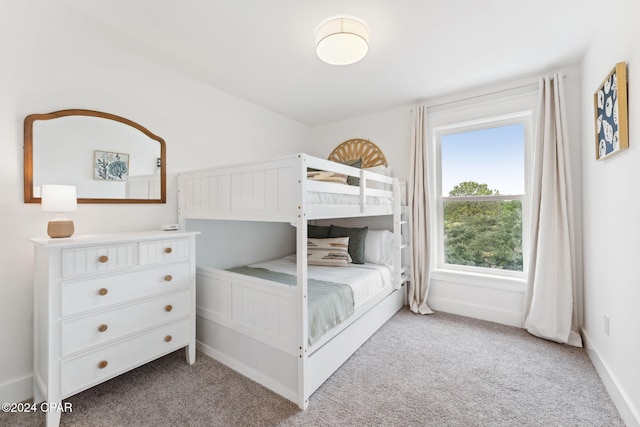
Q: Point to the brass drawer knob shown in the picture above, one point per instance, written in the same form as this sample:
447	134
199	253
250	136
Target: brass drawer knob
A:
103	259
168	338
168	250
103	364
103	291
103	327
168	307
168	277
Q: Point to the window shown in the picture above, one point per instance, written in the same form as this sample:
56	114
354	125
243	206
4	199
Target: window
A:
481	194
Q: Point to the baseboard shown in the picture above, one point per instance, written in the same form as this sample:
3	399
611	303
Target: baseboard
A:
491	314
17	390
629	414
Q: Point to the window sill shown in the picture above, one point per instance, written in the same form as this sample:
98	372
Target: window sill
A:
495	281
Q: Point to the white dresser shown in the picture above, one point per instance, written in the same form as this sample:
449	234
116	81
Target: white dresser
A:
107	303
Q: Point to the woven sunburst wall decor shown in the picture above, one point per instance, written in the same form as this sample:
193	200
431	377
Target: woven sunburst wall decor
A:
364	149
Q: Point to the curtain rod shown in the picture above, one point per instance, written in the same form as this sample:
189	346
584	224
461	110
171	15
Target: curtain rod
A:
496	92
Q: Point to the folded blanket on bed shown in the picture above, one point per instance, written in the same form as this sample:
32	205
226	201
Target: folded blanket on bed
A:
329	303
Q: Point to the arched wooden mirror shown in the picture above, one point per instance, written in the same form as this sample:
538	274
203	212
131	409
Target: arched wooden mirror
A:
108	158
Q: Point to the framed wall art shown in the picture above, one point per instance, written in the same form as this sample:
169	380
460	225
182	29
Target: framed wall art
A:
611	114
110	166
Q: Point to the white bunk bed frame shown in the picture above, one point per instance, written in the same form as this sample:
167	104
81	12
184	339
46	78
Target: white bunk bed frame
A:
260	328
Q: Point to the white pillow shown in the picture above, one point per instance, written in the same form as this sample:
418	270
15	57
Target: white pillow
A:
382	170
378	247
332	252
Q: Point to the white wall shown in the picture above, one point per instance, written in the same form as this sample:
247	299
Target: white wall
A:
389	130
49	61
611	208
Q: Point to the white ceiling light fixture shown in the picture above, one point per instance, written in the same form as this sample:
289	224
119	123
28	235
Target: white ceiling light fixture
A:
342	41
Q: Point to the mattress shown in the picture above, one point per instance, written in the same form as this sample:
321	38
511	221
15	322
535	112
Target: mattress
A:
366	280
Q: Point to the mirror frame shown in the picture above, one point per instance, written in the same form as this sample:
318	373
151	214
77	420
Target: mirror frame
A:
28	155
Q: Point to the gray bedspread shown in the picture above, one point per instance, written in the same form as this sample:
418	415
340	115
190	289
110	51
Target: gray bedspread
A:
329	303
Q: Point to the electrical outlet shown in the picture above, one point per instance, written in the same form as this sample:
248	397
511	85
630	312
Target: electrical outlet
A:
606	325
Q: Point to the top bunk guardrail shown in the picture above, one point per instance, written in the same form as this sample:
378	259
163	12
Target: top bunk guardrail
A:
278	190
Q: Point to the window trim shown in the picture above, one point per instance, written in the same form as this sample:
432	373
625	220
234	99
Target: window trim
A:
524	117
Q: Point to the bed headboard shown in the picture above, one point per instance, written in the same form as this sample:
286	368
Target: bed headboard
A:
364	149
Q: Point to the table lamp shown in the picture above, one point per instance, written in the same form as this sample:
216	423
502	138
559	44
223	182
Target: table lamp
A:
59	198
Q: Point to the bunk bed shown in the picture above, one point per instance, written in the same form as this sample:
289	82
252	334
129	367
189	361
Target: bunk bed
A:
258	326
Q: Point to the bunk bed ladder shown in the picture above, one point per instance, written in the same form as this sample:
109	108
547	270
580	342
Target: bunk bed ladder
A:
400	271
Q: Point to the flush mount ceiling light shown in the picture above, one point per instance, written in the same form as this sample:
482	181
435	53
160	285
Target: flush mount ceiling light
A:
342	41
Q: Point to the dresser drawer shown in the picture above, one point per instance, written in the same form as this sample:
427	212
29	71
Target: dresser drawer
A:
103	291
99	365
84	332
163	251
79	261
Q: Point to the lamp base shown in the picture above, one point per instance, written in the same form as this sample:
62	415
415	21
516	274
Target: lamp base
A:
57	229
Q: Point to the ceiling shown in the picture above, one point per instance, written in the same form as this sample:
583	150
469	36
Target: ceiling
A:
263	51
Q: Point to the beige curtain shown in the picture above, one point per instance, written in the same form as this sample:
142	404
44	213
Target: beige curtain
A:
418	196
550	301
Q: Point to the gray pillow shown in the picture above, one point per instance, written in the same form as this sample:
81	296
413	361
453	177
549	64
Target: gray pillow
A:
356	240
318	231
357	163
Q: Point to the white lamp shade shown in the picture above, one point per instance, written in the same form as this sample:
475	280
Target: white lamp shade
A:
59	198
342	41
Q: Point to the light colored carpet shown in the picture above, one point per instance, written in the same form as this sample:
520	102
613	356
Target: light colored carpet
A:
437	370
